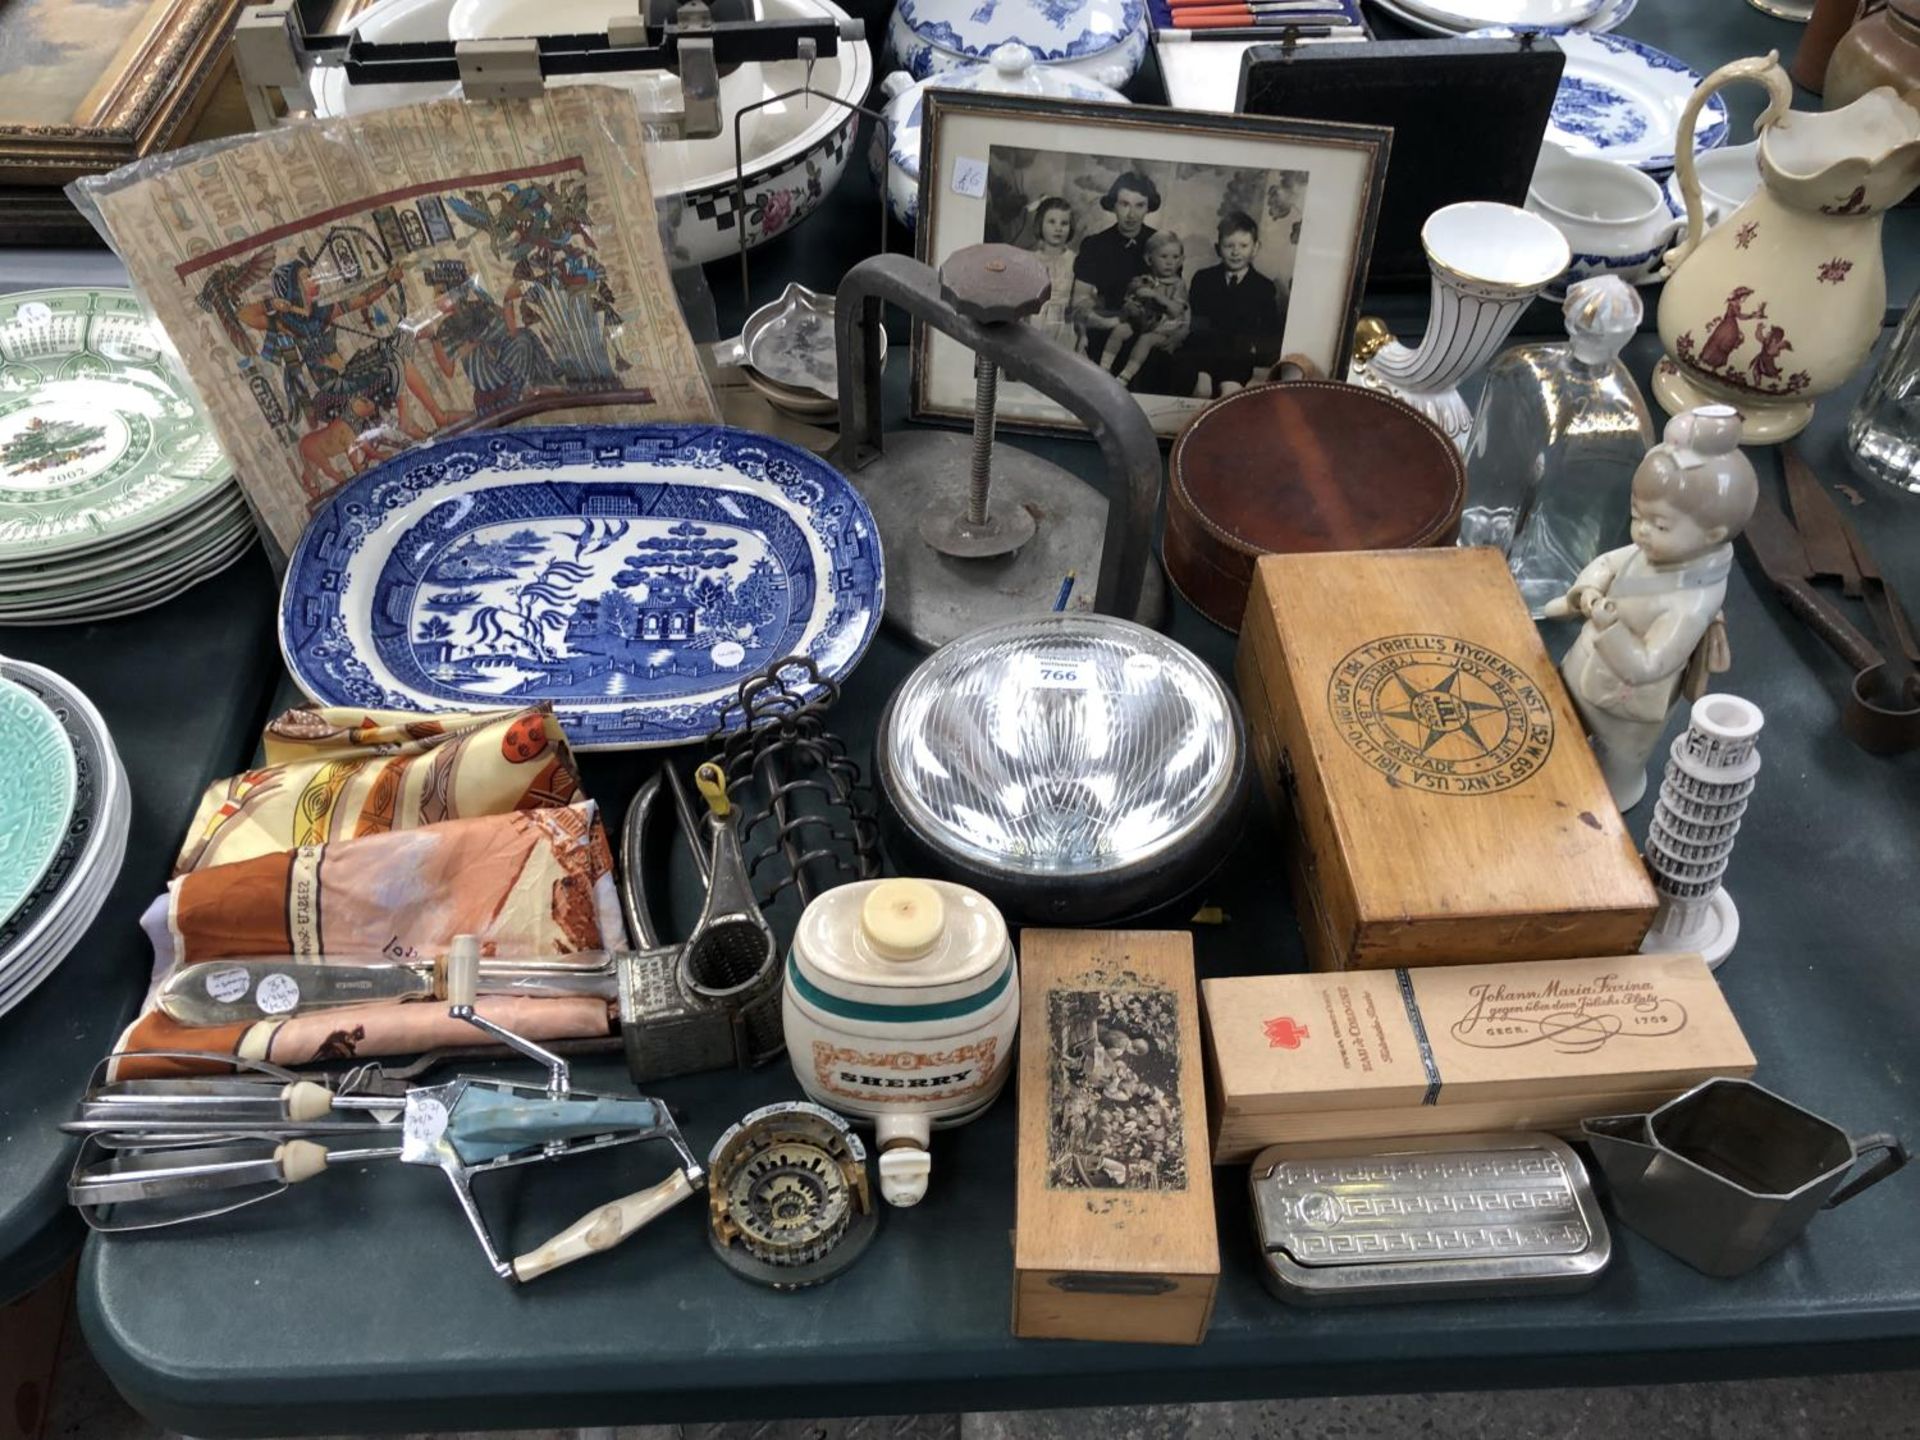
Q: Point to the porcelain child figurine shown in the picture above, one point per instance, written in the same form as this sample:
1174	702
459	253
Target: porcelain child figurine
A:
1653	607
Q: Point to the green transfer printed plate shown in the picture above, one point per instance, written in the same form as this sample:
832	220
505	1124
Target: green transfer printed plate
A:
98	441
37	788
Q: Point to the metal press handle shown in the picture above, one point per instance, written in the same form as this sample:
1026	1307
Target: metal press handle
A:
1894	1156
1094	397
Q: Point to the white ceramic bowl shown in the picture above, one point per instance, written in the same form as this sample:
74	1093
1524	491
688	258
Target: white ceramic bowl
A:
796	151
1614	217
493	19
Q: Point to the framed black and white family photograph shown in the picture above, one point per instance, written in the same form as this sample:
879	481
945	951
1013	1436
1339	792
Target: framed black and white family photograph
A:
1189	251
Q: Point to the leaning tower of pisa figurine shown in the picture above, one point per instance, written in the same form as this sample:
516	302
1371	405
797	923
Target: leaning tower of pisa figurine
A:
1710	776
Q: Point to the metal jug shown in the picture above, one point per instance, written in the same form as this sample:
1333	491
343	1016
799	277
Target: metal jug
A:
1728	1173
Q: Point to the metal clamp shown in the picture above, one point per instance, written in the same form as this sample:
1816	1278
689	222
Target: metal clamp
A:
1093	396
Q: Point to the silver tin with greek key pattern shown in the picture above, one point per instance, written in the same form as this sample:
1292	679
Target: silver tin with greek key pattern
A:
1431	1218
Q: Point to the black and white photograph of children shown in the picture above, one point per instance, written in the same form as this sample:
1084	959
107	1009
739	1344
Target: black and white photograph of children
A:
1174	276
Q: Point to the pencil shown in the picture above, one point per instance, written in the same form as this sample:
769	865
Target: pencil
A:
1243	19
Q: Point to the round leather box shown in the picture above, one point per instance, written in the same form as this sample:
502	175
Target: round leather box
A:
1302	465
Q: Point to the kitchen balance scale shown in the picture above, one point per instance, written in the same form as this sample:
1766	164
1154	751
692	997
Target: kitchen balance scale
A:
751	106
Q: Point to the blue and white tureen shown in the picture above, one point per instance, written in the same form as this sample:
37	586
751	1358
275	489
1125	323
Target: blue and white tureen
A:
1098	40
1010	71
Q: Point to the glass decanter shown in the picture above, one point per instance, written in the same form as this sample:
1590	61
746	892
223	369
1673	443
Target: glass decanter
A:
1883	434
1556	436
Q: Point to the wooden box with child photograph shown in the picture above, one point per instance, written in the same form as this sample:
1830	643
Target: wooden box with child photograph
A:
1186	278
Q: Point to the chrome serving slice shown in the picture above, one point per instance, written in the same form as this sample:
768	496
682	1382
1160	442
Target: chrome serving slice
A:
1428	1218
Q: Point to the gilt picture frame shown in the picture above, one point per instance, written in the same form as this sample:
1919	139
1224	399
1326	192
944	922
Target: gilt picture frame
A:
1189	251
89	85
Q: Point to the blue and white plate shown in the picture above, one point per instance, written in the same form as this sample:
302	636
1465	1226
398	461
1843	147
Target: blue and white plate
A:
1622	100
633	576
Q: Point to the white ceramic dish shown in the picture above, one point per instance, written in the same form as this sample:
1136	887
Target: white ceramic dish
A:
1477	14
490	19
1727	177
1607	17
795	151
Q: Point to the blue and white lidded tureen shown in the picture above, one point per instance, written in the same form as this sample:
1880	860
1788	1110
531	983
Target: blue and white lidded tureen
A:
1011	71
1098	40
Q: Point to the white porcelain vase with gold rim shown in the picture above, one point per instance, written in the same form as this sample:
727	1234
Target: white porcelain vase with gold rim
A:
1488	261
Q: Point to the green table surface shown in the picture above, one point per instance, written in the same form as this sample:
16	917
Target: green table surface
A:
361	1303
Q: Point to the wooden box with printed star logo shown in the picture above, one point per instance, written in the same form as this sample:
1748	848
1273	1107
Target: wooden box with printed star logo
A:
1439	801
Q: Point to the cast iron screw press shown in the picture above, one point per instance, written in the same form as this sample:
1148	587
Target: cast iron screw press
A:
989	289
978	533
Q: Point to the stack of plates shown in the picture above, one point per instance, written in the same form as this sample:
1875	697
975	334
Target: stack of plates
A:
114	495
64	811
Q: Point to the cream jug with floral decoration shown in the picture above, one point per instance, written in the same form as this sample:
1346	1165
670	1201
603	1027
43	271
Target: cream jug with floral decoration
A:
900	1006
1781	301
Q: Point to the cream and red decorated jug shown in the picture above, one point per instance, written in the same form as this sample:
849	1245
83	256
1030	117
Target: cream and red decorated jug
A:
1780	302
900	1005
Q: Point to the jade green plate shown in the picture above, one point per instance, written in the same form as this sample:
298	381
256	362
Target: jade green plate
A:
99	443
38	784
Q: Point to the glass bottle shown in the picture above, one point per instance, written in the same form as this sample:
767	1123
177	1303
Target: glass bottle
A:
1883	433
1557	434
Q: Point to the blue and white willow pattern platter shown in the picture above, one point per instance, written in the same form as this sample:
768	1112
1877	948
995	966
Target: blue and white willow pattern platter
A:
633	576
